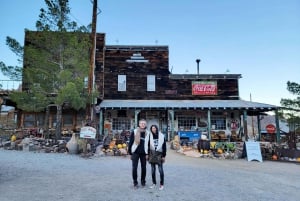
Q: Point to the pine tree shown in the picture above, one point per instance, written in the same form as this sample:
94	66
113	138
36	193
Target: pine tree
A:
56	62
293	106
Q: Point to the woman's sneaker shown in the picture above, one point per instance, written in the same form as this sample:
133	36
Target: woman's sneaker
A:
152	186
161	187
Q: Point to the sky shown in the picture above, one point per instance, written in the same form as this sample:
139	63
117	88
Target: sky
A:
258	39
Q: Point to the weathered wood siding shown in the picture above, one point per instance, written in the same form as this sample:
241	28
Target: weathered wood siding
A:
182	89
136	72
113	61
99	62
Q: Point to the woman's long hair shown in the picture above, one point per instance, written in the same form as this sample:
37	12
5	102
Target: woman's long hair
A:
155	127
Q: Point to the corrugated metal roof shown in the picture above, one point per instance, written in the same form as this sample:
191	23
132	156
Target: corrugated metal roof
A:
188	104
205	76
137	47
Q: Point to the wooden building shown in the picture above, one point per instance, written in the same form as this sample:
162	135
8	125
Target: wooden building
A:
135	82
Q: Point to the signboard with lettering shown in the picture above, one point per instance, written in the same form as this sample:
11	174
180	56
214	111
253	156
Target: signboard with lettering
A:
253	151
190	135
204	88
271	129
88	132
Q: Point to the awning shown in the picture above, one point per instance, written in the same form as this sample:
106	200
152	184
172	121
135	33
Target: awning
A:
186	104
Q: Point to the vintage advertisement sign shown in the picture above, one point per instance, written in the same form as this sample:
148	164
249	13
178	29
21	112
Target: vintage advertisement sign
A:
88	132
271	129
204	88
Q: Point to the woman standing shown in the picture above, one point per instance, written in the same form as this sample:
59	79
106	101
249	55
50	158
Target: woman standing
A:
157	146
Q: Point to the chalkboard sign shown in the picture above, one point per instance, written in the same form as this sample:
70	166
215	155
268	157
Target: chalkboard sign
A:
253	151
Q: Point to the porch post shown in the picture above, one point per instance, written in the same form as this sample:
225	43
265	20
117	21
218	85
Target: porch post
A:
259	127
277	126
46	124
136	113
245	125
100	123
171	112
58	122
209	124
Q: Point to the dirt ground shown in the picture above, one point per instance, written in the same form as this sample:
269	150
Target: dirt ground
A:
53	176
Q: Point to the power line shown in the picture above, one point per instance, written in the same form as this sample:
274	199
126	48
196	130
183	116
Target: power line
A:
78	21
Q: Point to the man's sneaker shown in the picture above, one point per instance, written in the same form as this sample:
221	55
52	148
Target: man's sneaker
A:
161	187
135	186
152	186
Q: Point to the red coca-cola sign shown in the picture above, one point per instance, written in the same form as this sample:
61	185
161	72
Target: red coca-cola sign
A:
271	128
204	88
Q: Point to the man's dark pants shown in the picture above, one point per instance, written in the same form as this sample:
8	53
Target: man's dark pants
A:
135	160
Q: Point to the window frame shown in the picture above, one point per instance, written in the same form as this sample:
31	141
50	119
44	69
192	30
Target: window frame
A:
151	82
122	83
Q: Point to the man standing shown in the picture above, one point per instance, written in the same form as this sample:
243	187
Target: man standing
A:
138	151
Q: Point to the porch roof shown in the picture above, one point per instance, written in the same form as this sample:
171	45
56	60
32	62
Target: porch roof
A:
186	104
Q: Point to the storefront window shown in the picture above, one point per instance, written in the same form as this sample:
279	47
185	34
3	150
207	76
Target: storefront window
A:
40	120
80	119
53	118
186	123
121	123
29	120
68	120
218	123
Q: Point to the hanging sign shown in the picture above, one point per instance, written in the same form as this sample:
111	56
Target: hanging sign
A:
88	132
204	88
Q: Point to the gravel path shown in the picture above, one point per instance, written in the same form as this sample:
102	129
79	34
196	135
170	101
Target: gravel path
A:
50	177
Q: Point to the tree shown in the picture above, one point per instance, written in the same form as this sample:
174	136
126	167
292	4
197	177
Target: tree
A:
13	72
56	62
292	105
56	18
294	88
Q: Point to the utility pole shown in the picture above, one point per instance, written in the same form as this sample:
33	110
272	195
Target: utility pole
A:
89	111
